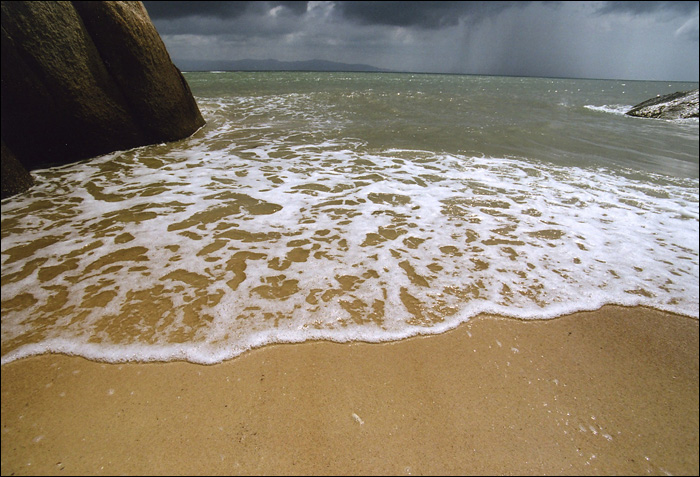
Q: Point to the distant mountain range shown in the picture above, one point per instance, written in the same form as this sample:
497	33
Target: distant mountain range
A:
272	65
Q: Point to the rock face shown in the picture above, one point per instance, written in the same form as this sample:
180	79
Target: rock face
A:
15	178
680	105
80	79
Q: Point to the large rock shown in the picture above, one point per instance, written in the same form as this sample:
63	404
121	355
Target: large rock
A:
15	178
81	79
680	105
154	88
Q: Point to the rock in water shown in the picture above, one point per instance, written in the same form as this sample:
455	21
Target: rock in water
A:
80	79
680	105
154	88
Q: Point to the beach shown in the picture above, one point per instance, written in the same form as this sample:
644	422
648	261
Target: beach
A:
438	265
358	273
613	391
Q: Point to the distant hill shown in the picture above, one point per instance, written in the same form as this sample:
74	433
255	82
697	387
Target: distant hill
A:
272	65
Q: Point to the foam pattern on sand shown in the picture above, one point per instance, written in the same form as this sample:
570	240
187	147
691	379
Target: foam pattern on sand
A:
244	235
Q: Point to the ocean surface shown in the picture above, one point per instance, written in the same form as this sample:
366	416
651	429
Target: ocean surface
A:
355	206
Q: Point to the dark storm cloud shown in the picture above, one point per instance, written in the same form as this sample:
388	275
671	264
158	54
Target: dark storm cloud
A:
631	40
433	14
174	10
418	14
430	14
221	10
247	21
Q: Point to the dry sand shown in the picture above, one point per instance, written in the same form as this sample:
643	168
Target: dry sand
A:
608	392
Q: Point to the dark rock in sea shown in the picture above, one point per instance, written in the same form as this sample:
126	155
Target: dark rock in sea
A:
80	79
15	178
680	105
154	88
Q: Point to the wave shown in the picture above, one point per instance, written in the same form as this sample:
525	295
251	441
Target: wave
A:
212	252
618	109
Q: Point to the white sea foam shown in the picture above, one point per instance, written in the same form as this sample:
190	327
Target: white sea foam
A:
619	109
202	251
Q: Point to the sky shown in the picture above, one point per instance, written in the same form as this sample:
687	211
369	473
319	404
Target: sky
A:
649	40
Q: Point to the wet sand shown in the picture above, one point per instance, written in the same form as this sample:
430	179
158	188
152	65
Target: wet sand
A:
608	392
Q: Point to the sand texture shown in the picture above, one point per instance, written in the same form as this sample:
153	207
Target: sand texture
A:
608	392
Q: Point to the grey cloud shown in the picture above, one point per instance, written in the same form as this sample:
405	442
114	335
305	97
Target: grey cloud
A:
638	8
689	30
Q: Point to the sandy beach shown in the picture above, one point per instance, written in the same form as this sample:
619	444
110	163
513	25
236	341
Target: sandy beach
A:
613	391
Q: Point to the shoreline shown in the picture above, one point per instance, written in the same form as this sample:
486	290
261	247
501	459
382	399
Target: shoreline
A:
609	391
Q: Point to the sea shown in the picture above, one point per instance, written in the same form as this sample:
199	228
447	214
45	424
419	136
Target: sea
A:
355	207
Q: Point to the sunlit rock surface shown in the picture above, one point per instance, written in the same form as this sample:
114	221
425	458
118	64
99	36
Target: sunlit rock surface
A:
680	105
